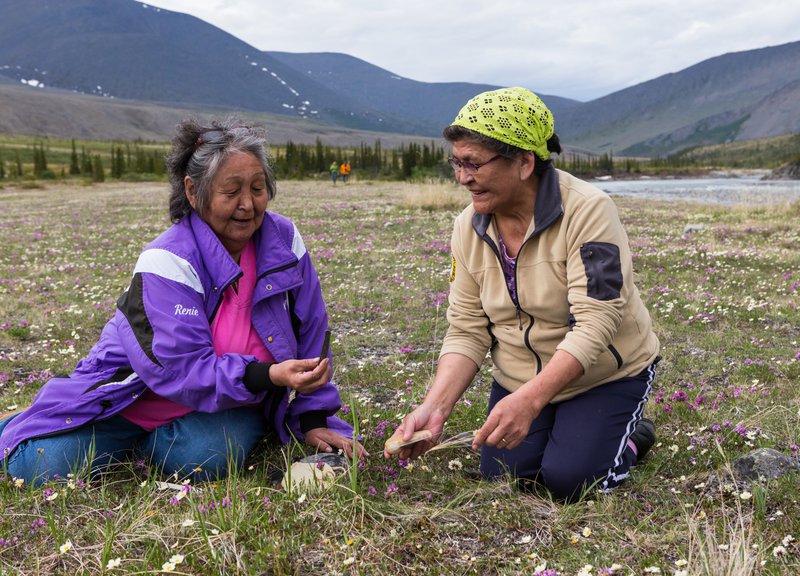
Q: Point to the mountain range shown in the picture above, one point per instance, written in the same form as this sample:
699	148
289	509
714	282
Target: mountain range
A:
120	69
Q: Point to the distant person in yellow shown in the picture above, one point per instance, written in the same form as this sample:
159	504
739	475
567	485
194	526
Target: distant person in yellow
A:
344	171
334	170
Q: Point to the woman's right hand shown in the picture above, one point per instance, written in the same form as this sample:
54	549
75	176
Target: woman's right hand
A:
303	376
424	417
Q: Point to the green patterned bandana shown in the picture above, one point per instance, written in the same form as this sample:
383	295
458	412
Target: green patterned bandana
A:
515	116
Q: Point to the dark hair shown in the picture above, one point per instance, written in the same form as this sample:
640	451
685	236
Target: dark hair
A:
198	151
456	133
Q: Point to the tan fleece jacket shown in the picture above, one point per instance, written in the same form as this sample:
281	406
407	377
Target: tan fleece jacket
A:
574	285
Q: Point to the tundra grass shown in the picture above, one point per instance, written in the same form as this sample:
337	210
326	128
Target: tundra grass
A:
724	301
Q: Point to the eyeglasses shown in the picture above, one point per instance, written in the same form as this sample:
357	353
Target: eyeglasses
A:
470	167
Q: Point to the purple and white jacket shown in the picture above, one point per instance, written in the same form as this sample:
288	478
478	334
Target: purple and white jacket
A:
160	338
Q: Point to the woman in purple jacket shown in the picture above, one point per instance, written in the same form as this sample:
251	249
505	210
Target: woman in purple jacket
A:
223	321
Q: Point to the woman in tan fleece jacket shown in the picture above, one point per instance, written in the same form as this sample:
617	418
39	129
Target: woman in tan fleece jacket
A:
542	279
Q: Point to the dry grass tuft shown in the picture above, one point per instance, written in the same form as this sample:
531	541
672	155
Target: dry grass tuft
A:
434	196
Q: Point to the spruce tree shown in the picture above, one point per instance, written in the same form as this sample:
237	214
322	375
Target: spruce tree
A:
86	162
122	165
74	167
117	162
37	162
98	174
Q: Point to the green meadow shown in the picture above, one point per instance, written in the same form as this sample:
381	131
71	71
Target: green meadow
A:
724	299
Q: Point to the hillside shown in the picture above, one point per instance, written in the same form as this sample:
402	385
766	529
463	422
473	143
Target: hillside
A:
124	49
47	112
373	87
739	96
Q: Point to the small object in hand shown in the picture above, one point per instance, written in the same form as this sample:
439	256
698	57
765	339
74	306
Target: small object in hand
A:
394	444
326	344
461	440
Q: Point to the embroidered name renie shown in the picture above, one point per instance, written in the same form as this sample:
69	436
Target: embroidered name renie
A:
183	311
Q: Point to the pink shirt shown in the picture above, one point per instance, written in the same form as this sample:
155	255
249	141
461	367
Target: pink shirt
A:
231	332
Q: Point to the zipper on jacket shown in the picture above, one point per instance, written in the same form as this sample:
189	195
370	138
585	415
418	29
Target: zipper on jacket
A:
279	269
519	310
529	346
526	337
219	300
121	376
499	257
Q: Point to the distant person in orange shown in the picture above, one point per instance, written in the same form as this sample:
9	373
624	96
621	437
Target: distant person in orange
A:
344	171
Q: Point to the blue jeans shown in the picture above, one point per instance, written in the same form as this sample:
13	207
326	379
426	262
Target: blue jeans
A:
197	446
578	443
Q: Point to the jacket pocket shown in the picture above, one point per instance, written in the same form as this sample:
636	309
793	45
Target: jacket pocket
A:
615	353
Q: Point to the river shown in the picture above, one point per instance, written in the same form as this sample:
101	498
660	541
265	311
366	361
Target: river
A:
736	190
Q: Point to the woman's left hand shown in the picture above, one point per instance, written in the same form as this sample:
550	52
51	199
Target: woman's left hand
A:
507	425
510	420
302	376
326	440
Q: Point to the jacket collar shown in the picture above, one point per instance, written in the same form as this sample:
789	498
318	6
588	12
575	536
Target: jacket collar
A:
272	250
547	210
221	266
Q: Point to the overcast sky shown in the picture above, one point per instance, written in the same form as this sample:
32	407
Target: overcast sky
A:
580	49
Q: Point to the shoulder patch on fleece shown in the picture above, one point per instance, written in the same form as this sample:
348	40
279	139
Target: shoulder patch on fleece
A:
603	269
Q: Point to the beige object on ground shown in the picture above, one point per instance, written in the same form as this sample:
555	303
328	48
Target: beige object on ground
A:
308	476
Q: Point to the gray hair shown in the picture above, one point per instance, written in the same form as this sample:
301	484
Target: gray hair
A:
198	151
